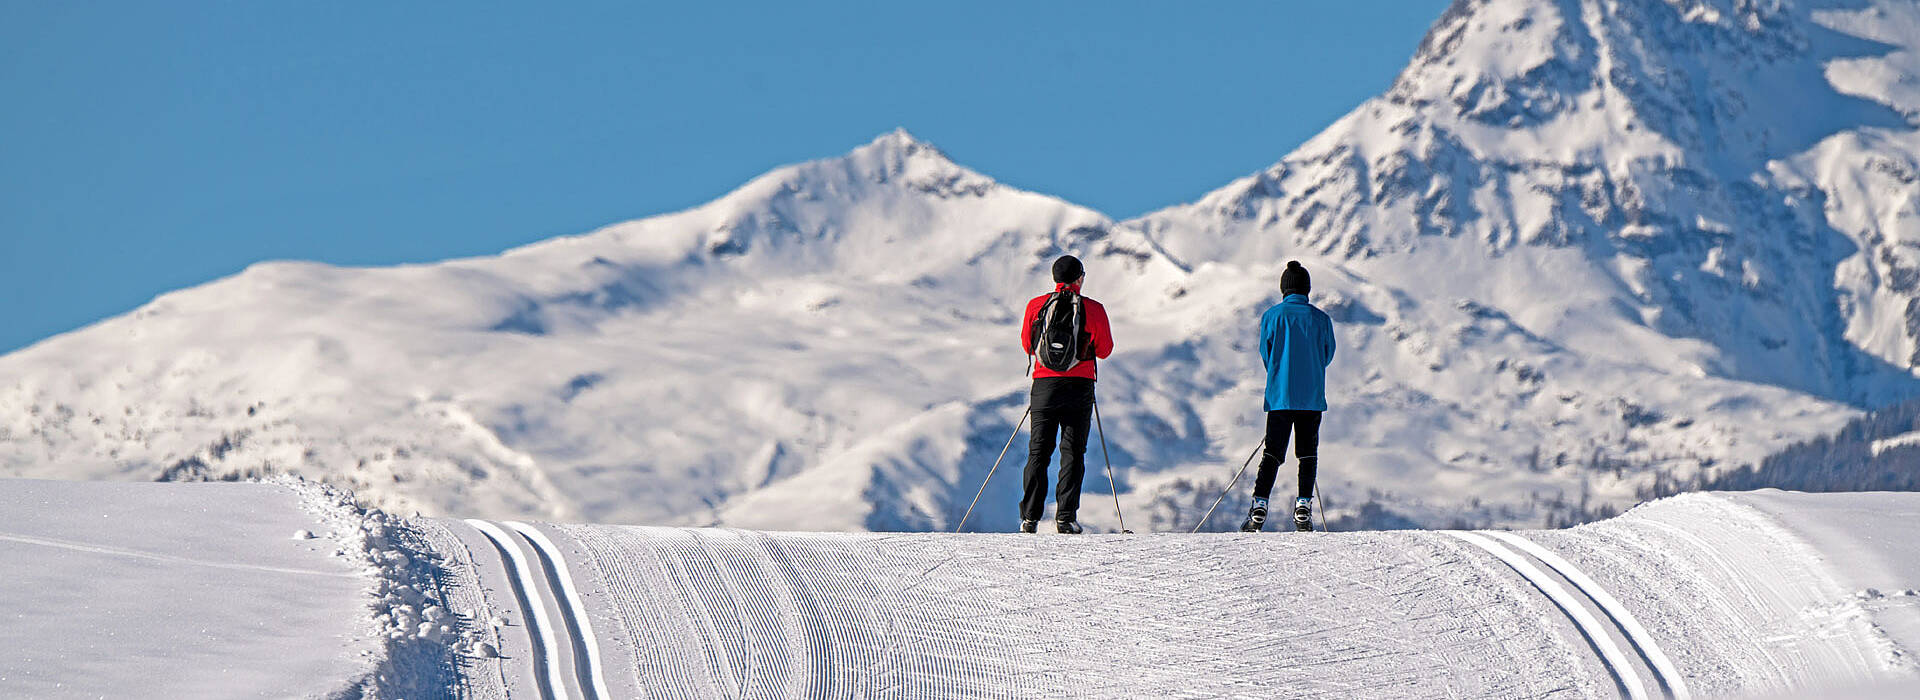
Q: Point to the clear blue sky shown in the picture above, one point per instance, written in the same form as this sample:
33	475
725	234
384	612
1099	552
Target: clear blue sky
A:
149	146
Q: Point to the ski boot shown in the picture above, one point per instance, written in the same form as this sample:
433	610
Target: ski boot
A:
1029	526
1256	516
1067	524
1303	514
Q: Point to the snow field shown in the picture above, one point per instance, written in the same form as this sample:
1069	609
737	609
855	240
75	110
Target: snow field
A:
720	613
284	589
1737	597
208	591
1696	595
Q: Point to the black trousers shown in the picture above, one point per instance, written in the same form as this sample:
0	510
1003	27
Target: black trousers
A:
1305	426
1062	405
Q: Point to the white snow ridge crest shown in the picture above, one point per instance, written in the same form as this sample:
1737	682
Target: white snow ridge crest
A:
1579	249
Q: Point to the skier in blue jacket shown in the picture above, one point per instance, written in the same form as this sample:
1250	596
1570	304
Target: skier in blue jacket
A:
1296	343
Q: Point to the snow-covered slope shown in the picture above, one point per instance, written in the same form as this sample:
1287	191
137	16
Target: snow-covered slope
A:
198	590
1577	249
282	590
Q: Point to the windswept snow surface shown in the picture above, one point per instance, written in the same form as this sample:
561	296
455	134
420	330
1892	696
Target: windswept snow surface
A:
1866	540
181	591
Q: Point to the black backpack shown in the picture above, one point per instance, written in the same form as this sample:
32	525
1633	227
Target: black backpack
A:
1059	337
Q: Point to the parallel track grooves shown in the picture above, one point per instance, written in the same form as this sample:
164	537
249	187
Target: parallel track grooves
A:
1663	667
1610	653
546	662
587	664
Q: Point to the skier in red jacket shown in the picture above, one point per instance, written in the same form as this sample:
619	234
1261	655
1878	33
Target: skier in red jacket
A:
1062	399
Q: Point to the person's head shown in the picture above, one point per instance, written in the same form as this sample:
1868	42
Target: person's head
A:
1294	280
1067	270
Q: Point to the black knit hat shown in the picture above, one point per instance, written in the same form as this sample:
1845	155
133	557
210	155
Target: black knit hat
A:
1067	269
1295	279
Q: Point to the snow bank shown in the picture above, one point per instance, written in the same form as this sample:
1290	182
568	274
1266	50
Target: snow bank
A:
405	607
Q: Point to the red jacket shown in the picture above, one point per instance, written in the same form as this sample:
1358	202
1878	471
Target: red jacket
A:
1096	327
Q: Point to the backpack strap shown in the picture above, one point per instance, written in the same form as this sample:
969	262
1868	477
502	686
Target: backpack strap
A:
1033	329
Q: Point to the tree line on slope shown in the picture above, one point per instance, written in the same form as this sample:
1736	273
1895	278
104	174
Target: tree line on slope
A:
1876	452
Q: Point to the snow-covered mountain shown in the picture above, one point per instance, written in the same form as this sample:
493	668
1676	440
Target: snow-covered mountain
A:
1736	173
1671	202
1577	247
845	320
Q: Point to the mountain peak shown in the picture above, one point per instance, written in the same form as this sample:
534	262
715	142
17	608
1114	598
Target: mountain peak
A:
899	151
896	158
1665	149
901	139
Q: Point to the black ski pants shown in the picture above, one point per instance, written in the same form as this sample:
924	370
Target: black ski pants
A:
1305	426
1062	405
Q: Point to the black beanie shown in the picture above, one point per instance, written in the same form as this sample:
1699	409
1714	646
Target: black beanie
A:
1295	280
1067	269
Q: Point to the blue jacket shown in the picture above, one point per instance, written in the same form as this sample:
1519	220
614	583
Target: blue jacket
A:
1296	342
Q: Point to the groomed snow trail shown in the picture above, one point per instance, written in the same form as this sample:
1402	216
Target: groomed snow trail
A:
585	643
1629	626
1693	595
1610	654
1740	604
724	613
549	609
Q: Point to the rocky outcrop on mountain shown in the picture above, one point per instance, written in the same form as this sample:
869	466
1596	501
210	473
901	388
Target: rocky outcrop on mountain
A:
1666	144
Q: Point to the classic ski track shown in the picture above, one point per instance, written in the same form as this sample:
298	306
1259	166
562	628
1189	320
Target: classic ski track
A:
573	608
797	615
1663	667
546	662
752	614
1610	653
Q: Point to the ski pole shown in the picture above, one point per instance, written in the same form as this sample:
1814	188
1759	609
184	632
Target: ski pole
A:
1323	506
1229	489
996	466
1111	488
